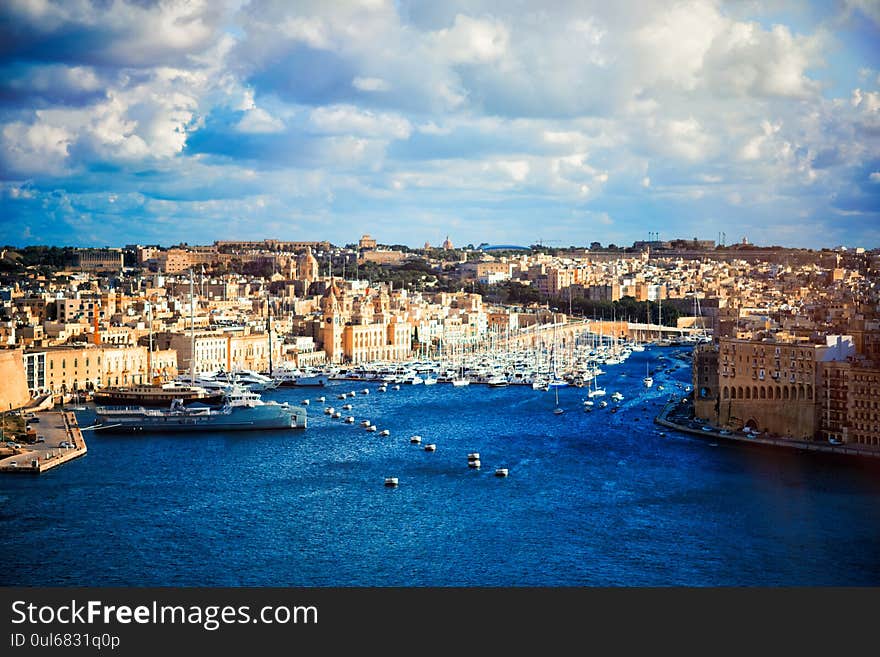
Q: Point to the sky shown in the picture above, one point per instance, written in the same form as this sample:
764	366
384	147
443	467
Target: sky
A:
507	122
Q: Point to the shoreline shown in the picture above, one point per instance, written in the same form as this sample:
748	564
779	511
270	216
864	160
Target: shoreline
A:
759	440
55	427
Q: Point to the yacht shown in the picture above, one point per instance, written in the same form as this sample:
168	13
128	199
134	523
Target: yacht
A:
240	412
157	395
498	382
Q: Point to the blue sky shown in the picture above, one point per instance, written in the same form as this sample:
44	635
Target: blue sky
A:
488	121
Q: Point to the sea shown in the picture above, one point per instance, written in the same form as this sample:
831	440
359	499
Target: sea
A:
592	499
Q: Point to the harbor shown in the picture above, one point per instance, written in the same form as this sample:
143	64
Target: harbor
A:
509	493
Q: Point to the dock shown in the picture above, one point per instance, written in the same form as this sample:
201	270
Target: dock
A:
706	431
54	428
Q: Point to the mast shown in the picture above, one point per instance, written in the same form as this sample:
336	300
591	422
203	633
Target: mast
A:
150	352
269	330
192	330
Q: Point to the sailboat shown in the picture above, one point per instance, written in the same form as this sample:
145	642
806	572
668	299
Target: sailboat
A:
648	380
461	380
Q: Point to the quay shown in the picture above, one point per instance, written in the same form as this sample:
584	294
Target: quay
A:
55	428
677	414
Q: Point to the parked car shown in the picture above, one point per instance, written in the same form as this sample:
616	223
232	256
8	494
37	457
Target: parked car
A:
41	439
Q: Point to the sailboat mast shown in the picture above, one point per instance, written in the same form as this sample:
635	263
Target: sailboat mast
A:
269	331
192	330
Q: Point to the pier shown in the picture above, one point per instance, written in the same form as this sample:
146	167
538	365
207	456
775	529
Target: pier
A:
50	430
679	416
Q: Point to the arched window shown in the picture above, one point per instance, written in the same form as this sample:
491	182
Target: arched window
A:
748	392
763	393
725	393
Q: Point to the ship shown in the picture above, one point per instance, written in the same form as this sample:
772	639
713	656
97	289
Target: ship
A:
248	414
156	395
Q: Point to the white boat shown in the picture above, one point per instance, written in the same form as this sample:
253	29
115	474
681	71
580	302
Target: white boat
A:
305	402
603	404
321	399
383	388
648	380
346	407
372	427
415	440
501	472
349	420
498	382
458	383
474	463
391	481
385	432
557	410
474	456
365	391
365	423
616	396
337	415
395	387
430	447
429	381
343	396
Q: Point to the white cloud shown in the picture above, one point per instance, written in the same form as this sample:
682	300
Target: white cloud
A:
347	119
259	121
370	84
35	148
472	40
874	177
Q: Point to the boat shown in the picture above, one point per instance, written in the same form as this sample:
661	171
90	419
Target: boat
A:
365	423
242	415
461	382
372	427
385	432
156	395
429	381
501	472
616	396
603	404
474	456
337	415
430	447
391	481
498	382
383	388
396	387
321	399
349	420
346	407
648	380
415	440
474	463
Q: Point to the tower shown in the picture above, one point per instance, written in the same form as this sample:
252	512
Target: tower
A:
332	324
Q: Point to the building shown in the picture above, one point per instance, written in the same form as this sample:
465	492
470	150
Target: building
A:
850	403
14	391
764	384
366	243
447	244
98	260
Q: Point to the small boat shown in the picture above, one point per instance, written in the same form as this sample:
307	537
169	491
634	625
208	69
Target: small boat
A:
342	396
385	432
662	434
430	447
617	396
328	410
372	427
349	420
352	394
346	407
474	456
337	415
395	387
603	404
383	388
365	423
474	463
458	383
415	440
501	472
305	402
429	381
365	391
321	399
558	411
391	481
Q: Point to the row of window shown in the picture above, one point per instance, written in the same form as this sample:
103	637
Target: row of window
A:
798	392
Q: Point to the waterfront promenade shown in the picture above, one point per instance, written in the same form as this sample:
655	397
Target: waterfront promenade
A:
56	428
678	414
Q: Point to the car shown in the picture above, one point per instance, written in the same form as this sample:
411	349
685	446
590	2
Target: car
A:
12	444
41	439
64	444
34	420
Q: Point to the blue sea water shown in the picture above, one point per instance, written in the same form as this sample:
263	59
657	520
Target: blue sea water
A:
592	499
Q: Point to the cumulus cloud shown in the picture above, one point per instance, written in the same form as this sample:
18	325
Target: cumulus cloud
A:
474	104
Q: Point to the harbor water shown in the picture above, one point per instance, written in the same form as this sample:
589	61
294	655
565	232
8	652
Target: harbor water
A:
591	499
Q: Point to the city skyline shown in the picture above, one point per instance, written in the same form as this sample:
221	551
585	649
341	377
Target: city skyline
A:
130	123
